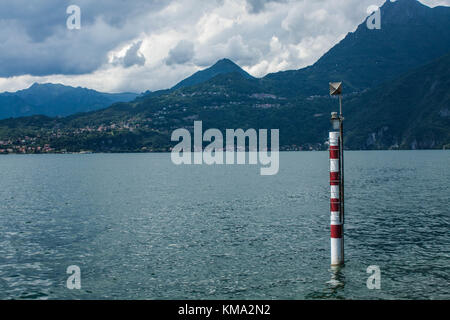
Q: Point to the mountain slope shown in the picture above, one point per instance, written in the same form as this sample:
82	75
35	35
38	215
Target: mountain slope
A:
56	100
221	67
410	112
411	34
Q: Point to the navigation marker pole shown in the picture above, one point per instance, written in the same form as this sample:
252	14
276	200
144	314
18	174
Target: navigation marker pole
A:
337	181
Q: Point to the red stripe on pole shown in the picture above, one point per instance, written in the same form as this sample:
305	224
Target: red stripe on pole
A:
336	231
334	178
334	205
334	154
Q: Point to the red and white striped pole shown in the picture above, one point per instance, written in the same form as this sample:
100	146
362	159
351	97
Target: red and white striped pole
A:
337	237
337	180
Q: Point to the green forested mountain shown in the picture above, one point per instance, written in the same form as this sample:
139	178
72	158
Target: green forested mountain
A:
222	66
410	112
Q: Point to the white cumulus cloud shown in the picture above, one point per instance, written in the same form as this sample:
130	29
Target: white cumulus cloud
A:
140	45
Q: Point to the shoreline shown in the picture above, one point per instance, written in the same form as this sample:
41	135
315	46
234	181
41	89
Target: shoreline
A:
158	152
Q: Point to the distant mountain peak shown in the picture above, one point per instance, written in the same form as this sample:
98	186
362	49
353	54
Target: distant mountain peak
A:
409	3
411	34
45	84
402	11
226	65
37	85
55	99
404	5
225	62
222	66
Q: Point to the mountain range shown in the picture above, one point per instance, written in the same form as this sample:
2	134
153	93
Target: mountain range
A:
56	100
396	96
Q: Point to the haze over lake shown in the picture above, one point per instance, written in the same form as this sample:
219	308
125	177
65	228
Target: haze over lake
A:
140	227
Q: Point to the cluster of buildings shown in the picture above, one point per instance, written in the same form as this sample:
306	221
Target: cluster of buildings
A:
23	146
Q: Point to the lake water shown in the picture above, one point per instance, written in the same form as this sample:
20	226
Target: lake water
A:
140	227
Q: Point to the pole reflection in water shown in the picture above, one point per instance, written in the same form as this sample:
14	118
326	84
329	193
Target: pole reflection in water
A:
334	288
337	281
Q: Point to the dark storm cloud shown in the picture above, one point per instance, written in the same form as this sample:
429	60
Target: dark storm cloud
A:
182	53
256	6
34	38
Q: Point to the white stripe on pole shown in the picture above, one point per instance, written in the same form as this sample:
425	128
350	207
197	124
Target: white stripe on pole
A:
334	165
334	138
334	192
336	253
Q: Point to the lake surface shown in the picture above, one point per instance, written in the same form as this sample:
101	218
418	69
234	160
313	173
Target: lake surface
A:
140	227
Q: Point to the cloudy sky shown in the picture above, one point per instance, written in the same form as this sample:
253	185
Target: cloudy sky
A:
138	45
